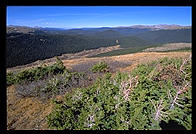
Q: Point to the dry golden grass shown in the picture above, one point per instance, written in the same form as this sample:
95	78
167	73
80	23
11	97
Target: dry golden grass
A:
135	59
26	113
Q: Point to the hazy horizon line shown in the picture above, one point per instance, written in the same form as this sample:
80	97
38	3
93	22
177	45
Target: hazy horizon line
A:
101	26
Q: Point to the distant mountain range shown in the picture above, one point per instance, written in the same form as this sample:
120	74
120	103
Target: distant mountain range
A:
12	28
28	44
161	26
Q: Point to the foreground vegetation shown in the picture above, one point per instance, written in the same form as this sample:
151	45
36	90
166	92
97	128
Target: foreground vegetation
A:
44	81
149	98
154	96
36	73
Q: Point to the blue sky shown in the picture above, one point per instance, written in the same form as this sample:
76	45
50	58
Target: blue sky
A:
97	16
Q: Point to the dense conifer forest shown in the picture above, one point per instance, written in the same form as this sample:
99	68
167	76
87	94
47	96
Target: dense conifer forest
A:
26	45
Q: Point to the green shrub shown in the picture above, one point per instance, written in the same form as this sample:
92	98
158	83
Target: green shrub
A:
99	67
36	73
50	87
10	78
137	101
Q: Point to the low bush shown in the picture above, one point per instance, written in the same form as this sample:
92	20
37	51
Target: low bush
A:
36	73
51	86
139	100
99	67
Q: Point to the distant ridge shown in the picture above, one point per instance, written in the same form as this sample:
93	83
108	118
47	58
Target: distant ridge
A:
161	26
152	27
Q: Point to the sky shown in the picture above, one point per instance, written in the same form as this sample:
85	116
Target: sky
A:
97	16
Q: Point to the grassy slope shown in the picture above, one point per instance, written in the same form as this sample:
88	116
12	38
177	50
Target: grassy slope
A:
121	51
15	117
138	49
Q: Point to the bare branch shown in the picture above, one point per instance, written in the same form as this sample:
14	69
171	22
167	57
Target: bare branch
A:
175	99
178	93
169	95
164	112
179	104
153	104
159	113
